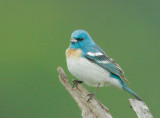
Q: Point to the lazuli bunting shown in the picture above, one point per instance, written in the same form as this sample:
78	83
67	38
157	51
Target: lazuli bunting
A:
88	63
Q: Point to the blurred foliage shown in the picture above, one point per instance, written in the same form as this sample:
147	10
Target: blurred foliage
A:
34	35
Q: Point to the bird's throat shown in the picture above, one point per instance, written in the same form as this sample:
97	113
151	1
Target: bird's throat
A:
73	53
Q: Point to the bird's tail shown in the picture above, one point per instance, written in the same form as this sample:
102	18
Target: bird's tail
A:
130	91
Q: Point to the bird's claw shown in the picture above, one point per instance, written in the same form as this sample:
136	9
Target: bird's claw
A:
91	96
76	82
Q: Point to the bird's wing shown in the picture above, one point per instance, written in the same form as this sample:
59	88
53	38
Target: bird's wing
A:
98	57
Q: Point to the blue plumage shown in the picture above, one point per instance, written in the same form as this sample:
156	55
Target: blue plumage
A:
90	64
109	64
126	88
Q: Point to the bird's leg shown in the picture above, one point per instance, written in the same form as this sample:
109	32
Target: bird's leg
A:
76	82
93	94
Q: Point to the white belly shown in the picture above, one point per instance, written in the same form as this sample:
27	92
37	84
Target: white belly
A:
90	73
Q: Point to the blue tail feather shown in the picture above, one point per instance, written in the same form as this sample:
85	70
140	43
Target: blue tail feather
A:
126	88
131	92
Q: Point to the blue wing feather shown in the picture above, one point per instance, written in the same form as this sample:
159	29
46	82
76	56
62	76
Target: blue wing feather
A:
110	66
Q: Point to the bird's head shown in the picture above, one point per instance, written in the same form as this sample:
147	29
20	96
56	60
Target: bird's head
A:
80	38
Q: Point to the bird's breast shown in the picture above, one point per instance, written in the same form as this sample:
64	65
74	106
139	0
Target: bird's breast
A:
88	72
73	53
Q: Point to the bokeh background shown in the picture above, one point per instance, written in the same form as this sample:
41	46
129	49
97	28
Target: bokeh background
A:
34	35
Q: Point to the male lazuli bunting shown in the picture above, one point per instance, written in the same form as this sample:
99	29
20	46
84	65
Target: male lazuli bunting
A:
88	63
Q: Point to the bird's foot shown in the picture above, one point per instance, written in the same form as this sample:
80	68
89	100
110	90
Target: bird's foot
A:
76	82
91	96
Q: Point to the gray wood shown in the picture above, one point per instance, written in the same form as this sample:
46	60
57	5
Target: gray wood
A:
140	108
91	109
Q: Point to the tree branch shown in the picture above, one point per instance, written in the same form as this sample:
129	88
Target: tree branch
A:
140	108
93	108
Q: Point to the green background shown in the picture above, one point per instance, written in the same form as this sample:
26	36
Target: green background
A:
34	35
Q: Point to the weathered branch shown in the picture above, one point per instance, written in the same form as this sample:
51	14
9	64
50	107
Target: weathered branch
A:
140	108
93	108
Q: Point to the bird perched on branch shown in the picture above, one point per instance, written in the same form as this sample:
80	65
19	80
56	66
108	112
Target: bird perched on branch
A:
89	64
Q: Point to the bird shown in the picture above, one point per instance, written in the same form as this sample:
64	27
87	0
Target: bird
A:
92	66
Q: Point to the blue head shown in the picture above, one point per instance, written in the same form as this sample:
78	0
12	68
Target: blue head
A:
79	39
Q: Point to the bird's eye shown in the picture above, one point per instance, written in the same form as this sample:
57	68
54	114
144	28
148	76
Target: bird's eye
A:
79	39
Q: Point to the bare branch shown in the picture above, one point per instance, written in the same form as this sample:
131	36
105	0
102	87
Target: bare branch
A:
91	109
140	108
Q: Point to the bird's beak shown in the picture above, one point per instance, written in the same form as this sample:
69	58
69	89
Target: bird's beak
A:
73	40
